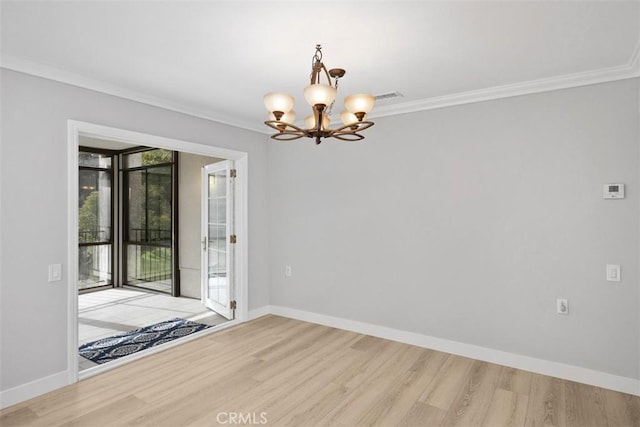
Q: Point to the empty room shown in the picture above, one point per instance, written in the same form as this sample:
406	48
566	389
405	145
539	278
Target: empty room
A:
310	213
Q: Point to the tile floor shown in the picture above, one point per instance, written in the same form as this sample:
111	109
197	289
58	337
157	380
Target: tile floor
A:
110	312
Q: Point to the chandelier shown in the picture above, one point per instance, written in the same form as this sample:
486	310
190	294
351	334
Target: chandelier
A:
321	97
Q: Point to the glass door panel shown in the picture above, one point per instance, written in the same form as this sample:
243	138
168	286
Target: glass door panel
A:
95	222
217	290
148	221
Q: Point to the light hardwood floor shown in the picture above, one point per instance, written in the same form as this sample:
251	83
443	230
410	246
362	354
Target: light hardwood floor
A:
288	372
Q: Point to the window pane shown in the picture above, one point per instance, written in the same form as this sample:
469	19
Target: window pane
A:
137	215
149	216
218	210
217	250
159	190
147	158
94	160
94	266
94	210
149	267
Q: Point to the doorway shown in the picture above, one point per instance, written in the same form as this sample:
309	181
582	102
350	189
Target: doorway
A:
143	232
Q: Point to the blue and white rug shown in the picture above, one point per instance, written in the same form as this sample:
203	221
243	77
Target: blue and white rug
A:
108	349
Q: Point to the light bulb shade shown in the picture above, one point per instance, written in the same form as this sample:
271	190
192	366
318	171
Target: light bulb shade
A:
277	101
320	94
289	117
310	122
325	121
348	118
360	103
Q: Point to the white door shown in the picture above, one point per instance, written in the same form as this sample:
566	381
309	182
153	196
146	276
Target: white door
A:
218	238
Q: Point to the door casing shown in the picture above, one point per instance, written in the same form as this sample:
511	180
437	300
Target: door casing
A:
74	130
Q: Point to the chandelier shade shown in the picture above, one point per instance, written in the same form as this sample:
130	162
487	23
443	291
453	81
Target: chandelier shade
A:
321	97
288	117
310	122
348	118
360	103
276	101
318	94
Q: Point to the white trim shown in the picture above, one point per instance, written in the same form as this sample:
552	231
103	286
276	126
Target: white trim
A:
32	389
259	312
242	233
73	132
540	366
75	128
26	66
627	71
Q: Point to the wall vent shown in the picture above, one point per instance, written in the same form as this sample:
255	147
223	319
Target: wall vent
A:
389	95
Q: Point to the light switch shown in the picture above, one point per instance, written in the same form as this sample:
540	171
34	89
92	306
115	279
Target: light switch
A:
613	273
55	272
562	306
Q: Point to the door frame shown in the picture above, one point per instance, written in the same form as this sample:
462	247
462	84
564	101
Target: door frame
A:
241	267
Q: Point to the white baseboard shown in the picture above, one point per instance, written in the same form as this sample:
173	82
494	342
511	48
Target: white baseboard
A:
539	366
32	389
545	367
44	385
259	312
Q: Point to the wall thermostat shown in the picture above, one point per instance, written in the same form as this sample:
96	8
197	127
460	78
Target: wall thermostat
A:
614	191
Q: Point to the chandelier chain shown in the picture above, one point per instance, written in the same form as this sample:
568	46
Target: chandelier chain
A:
330	108
316	65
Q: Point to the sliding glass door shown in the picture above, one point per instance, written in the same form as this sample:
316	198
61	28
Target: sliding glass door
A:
95	220
149	226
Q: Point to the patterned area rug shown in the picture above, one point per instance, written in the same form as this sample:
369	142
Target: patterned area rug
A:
108	349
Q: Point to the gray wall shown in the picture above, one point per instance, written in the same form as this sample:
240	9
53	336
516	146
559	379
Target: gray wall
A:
33	179
189	218
466	223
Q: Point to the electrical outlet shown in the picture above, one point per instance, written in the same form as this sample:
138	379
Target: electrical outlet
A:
562	306
613	273
287	271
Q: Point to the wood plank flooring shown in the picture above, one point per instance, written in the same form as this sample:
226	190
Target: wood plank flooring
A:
277	371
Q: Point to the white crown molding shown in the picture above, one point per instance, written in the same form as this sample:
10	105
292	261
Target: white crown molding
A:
14	63
627	71
527	363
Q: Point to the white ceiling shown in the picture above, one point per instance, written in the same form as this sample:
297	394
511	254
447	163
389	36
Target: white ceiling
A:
217	59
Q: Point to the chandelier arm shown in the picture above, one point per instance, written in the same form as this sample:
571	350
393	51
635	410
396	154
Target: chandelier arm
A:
353	127
349	136
274	123
287	136
326	73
